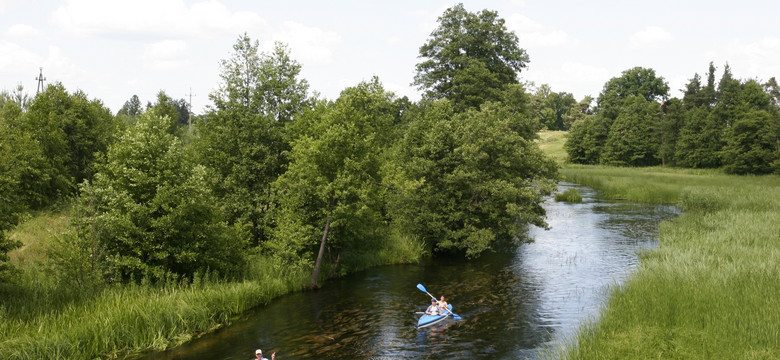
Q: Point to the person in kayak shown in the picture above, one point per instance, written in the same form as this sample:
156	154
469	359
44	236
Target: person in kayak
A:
443	306
259	355
433	309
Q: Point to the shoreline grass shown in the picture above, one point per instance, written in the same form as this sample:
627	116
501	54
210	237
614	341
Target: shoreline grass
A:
710	289
42	319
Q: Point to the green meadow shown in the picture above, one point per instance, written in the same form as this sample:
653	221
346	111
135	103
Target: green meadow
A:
711	289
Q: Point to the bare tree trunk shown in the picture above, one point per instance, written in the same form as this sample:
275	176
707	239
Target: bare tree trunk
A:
316	272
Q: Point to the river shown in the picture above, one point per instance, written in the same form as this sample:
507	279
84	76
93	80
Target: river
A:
513	306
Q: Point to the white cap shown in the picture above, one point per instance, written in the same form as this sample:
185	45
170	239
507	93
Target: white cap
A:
258	352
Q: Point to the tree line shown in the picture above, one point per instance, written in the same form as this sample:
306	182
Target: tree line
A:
731	124
271	168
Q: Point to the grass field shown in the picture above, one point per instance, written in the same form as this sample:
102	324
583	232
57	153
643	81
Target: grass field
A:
711	290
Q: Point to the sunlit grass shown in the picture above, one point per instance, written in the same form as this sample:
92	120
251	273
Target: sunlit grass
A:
570	195
551	143
711	289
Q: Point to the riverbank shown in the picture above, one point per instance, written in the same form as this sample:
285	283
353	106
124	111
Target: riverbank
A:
43	319
710	289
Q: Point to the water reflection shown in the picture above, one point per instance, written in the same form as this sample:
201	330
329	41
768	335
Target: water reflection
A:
512	305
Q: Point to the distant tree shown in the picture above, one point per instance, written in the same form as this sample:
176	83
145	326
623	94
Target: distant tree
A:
637	81
631	141
131	107
150	209
751	145
670	125
469	58
699	142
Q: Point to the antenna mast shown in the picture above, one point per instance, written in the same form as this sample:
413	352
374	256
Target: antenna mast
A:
189	113
40	79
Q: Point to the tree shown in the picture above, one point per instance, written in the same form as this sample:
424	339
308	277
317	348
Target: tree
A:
331	195
70	129
131	107
637	81
150	209
468	181
244	137
631	141
699	142
469	58
750	145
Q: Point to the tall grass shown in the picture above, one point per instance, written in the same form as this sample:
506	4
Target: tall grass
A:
711	290
41	318
130	318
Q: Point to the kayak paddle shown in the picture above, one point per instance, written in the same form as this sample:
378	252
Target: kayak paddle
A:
422	288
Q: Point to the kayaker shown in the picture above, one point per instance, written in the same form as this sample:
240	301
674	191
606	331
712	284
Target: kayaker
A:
443	306
259	355
433	309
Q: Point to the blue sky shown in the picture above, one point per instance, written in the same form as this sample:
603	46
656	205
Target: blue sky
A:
113	49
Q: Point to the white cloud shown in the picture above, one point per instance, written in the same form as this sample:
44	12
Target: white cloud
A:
535	35
650	37
23	31
757	59
309	45
21	64
153	17
168	54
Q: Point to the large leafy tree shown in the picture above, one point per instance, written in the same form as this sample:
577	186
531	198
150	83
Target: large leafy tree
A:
699	141
469	58
630	141
468	181
150	210
750	146
331	194
244	136
70	130
636	81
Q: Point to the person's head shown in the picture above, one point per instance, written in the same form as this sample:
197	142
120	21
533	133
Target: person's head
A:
433	301
258	353
442	298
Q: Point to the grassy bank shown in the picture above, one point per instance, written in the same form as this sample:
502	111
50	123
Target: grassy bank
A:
41	318
710	290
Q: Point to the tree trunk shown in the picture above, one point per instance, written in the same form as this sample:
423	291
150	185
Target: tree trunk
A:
315	275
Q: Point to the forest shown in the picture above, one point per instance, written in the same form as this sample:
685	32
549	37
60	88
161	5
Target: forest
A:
156	194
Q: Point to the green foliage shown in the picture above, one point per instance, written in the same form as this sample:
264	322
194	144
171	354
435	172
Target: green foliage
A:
332	189
751	146
70	130
178	111
555	111
468	180
245	138
631	141
469	58
149	210
637	81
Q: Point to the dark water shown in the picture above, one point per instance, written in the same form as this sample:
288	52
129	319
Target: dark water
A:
513	305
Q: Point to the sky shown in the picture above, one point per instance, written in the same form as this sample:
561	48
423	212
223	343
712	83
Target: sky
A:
114	49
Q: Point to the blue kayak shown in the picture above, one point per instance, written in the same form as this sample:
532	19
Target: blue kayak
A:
427	320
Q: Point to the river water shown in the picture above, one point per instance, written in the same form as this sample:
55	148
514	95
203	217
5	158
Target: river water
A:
513	306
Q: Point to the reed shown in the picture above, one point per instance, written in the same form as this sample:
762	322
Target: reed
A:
710	288
570	195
